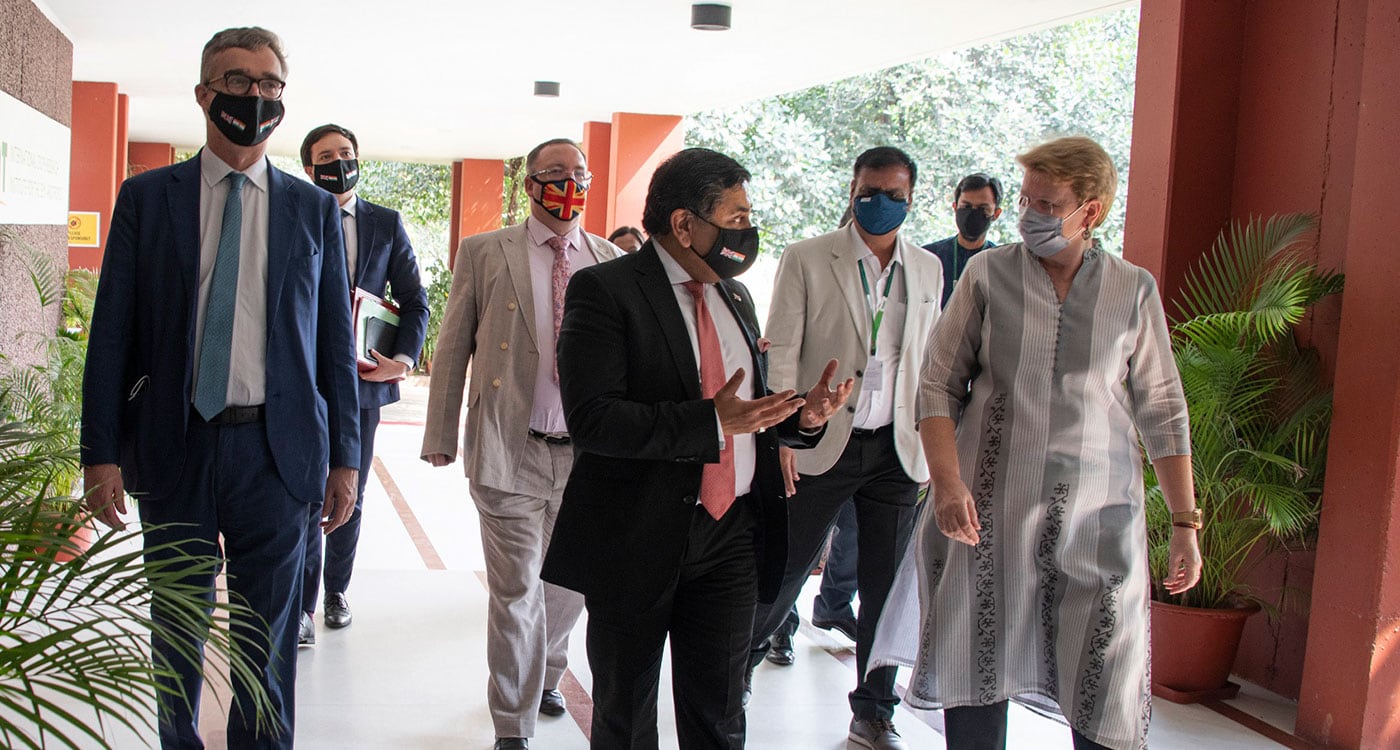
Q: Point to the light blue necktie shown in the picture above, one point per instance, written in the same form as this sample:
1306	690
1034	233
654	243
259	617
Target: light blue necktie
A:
211	394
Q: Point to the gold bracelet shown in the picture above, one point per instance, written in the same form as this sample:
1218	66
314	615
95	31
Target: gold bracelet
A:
1188	519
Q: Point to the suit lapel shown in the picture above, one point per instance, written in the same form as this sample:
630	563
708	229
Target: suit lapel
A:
741	307
281	212
365	226
515	246
599	254
844	268
656	288
182	200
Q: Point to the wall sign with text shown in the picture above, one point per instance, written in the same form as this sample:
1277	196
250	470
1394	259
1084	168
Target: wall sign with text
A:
34	153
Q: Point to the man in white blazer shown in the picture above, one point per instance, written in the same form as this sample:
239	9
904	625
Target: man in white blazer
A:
502	318
865	296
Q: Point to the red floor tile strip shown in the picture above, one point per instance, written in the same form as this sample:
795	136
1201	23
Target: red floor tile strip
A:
1259	725
424	545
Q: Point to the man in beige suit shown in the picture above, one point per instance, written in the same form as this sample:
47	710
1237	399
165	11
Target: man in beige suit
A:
865	296
503	317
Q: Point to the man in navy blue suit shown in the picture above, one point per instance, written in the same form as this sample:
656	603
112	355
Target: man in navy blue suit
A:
220	386
378	257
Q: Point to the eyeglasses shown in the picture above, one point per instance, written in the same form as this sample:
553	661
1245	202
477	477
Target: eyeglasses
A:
1041	205
239	84
555	174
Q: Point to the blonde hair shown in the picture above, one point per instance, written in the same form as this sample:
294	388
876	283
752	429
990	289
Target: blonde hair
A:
1082	163
251	38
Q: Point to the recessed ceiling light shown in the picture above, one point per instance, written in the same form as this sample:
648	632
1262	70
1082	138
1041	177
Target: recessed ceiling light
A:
709	16
547	88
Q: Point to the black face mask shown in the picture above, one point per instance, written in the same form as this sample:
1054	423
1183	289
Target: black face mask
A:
338	176
733	252
972	222
245	120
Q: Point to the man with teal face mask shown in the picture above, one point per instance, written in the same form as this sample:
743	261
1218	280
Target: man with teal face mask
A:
867	297
503	317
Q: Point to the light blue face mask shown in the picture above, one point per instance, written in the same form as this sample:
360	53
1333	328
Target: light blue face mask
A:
879	214
1043	233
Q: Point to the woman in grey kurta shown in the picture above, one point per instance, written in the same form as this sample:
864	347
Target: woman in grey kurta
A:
1050	361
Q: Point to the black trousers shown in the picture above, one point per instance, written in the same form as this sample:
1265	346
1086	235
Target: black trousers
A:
984	728
708	615
869	473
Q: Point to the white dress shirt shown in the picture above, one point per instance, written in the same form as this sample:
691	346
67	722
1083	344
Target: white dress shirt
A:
875	406
247	379
351	230
547	414
736	355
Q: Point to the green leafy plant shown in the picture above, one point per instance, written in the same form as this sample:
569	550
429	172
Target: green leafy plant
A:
1260	405
439	285
75	624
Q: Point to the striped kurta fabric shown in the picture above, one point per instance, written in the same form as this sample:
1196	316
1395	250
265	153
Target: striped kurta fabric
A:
1051	399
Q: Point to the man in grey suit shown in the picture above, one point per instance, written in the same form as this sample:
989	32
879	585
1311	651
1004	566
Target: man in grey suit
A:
503	317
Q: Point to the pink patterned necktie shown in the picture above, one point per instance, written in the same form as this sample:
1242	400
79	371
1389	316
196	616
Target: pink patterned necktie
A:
717	481
558	282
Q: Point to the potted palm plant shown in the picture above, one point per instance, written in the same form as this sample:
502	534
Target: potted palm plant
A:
1260	410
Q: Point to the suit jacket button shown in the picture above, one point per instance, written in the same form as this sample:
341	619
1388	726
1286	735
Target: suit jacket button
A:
689	500
504	346
851	409
860	373
510	306
496	383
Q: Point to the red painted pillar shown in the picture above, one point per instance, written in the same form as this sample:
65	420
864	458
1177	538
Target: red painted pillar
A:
1182	163
94	167
478	189
1351	679
639	144
122	161
142	157
597	150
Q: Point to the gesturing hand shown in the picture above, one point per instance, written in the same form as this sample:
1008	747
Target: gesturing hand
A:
822	400
738	416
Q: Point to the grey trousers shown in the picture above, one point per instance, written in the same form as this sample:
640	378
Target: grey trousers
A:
528	621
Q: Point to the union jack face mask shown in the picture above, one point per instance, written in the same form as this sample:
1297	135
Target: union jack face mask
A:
563	199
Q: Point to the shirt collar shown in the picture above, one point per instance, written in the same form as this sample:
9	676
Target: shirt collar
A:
674	273
539	234
215	169
864	252
350	204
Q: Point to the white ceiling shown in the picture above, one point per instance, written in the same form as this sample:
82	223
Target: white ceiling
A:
435	80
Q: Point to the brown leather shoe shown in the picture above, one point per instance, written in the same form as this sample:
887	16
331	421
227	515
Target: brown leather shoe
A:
876	734
552	703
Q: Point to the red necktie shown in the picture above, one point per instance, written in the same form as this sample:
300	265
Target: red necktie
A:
717	482
558	282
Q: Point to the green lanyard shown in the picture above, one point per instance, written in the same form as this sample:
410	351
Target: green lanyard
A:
879	306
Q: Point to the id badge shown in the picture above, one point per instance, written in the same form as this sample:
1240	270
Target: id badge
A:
874	378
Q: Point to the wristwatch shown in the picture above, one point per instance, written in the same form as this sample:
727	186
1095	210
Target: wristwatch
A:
1187	519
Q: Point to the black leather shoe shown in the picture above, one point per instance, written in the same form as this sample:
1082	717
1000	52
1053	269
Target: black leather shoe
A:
846	625
552	703
512	743
780	650
336	613
306	634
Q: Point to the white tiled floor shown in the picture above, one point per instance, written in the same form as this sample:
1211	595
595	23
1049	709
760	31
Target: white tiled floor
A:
410	673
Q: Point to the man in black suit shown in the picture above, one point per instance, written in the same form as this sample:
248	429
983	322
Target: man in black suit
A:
378	257
673	520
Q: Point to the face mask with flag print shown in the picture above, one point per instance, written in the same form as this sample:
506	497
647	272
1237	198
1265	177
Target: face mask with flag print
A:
563	199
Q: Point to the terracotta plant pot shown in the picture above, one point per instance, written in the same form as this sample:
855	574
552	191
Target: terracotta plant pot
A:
1193	650
81	542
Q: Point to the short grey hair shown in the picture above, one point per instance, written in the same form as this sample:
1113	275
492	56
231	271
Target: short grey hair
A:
251	38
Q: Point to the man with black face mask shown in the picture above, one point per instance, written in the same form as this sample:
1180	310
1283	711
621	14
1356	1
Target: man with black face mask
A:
502	318
673	519
220	382
380	261
867	296
976	204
